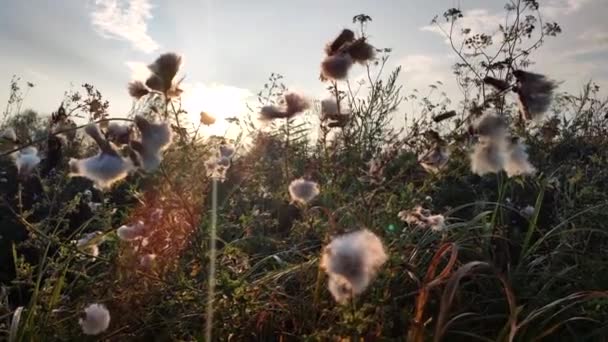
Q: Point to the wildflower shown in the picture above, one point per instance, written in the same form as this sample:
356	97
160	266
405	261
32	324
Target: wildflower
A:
132	232
207	119
360	51
96	319
138	89
226	150
155	138
534	92
147	261
26	160
119	134
528	211
517	162
9	135
105	168
352	261
293	104
303	191
346	36
217	167
435	159
490	126
89	243
163	71
336	67
499	85
487	157
421	217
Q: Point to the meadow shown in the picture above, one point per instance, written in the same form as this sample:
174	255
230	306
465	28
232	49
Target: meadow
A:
480	219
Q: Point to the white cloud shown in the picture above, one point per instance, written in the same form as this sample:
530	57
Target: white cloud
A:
478	20
556	8
125	20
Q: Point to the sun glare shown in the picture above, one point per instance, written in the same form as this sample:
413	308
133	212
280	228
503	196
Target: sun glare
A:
217	100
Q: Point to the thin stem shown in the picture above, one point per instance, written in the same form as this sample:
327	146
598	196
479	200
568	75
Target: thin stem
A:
212	256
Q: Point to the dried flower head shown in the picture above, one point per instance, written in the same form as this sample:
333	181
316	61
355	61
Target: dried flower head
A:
9	135
105	168
303	191
207	119
352	261
490	126
346	36
131	232
421	217
534	92
435	159
26	160
487	157
118	134
360	51
336	67
89	243
163	71
292	104
226	150
155	138
147	261
217	167
516	162
96	319
137	89
499	85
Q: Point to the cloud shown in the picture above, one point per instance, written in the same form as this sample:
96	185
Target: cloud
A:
125	20
556	8
478	20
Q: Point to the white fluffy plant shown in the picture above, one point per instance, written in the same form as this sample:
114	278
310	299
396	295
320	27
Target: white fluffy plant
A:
106	167
351	262
155	138
303	191
95	320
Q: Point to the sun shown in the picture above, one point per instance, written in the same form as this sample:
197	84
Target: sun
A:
219	101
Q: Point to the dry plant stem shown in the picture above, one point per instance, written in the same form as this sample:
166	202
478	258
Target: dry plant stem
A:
37	141
212	256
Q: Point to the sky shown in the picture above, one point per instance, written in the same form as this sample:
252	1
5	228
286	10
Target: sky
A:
230	47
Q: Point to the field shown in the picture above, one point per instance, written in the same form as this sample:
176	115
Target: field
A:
317	220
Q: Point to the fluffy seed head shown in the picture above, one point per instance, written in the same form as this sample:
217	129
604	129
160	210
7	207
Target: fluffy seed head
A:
360	51
435	159
207	119
270	112
351	262
26	160
346	36
534	92
336	67
96	319
217	167
9	134
499	85
155	138
103	169
163	71
421	217
295	104
516	162
137	89
131	232
226	150
303	191
119	134
490	126
487	157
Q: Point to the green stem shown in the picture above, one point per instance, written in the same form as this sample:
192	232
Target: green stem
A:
212	256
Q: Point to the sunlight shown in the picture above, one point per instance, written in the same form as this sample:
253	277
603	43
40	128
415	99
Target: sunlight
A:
219	101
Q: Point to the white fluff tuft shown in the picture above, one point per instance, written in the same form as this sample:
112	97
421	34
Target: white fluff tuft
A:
421	217
155	138
103	169
26	160
132	232
435	159
9	134
487	157
352	261
303	191
226	151
96	320
517	163
217	167
147	261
